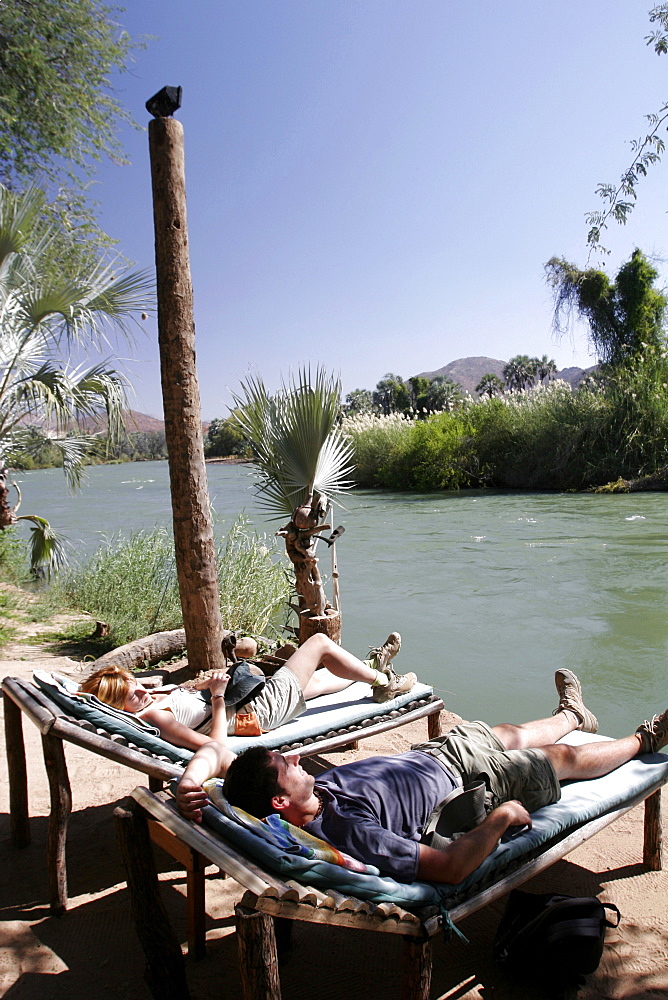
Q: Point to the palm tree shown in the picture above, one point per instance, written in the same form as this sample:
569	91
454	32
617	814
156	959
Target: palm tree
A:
443	394
490	385
44	311
545	367
520	372
302	458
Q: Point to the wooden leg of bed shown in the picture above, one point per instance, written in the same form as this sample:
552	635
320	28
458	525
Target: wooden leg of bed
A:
652	847
416	970
165	973
61	807
258	964
19	820
155	784
434	725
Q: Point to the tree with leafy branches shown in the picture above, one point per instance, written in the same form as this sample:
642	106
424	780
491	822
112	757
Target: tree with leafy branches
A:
302	459
490	385
443	394
619	199
59	115
391	395
624	315
43	315
358	401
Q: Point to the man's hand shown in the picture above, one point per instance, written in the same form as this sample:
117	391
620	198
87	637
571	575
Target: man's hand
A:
514	813
190	799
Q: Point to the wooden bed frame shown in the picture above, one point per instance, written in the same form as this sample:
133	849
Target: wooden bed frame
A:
21	697
149	816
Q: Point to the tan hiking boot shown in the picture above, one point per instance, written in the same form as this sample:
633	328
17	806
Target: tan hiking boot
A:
655	732
396	685
380	656
570	699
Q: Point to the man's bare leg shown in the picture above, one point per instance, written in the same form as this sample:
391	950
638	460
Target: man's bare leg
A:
539	733
591	760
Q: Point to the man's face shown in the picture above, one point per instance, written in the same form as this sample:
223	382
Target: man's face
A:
295	783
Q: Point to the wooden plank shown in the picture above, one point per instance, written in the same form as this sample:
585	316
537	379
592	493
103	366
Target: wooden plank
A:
343	738
27	701
19	817
242	869
106	747
339	918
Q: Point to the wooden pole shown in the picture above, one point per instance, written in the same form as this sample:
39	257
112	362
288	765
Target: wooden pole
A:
61	807
165	973
19	820
258	964
652	846
193	528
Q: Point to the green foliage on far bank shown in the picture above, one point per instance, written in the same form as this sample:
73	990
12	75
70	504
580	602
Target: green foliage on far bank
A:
547	438
130	583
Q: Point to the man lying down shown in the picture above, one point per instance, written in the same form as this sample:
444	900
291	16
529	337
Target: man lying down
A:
377	809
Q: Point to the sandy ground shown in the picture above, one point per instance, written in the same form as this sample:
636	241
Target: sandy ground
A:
93	950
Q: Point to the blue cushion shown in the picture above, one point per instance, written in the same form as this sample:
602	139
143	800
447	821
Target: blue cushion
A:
581	801
329	712
112	720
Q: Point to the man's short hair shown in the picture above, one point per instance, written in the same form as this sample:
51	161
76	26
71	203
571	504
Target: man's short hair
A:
252	781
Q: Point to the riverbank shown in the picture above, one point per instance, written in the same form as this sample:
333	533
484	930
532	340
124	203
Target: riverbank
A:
93	949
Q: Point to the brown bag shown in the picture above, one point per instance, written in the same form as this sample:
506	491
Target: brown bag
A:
247	724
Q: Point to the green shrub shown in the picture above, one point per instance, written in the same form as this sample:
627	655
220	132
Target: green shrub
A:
131	584
14	558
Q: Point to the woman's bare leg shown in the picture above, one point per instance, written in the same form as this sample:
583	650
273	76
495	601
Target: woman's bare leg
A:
320	651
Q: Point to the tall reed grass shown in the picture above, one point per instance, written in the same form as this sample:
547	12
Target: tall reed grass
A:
547	438
130	583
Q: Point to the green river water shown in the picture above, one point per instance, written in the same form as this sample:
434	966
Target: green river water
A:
490	591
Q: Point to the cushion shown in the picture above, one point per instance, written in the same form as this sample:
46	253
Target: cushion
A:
329	712
581	801
90	709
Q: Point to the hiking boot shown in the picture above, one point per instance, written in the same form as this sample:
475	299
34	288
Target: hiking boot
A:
396	685
655	732
570	699
380	656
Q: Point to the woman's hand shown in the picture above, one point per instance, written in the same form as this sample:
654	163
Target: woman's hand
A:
216	683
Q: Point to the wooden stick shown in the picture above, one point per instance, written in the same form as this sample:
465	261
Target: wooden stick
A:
258	962
19	818
434	729
165	974
61	807
653	839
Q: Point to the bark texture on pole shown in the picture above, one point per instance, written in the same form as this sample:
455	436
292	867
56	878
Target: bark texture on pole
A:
193	529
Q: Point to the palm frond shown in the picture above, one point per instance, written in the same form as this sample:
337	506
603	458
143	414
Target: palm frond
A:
297	447
47	549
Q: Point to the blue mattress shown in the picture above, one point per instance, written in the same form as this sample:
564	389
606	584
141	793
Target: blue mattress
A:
581	802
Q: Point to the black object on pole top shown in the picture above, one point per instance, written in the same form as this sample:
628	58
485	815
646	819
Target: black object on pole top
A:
165	102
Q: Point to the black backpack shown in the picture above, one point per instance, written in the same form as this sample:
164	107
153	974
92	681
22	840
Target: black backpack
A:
552	939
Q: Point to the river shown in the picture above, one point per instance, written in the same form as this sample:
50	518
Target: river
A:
490	591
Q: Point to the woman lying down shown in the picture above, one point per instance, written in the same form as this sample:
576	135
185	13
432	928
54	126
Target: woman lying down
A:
190	718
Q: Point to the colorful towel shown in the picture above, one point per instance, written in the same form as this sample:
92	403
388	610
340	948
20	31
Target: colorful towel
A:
283	835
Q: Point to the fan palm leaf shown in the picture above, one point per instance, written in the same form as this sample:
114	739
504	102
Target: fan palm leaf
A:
298	449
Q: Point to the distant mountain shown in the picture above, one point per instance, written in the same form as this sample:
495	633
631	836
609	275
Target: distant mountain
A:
135	422
467	372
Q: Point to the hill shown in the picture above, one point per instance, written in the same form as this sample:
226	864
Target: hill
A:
467	372
135	422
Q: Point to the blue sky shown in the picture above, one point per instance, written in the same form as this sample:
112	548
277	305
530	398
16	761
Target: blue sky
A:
376	185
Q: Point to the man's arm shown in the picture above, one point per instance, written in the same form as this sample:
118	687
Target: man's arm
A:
463	855
212	759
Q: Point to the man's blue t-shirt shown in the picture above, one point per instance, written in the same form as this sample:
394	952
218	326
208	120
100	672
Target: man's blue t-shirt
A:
376	809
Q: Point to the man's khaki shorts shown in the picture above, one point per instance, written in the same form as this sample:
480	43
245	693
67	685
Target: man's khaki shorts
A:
473	752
